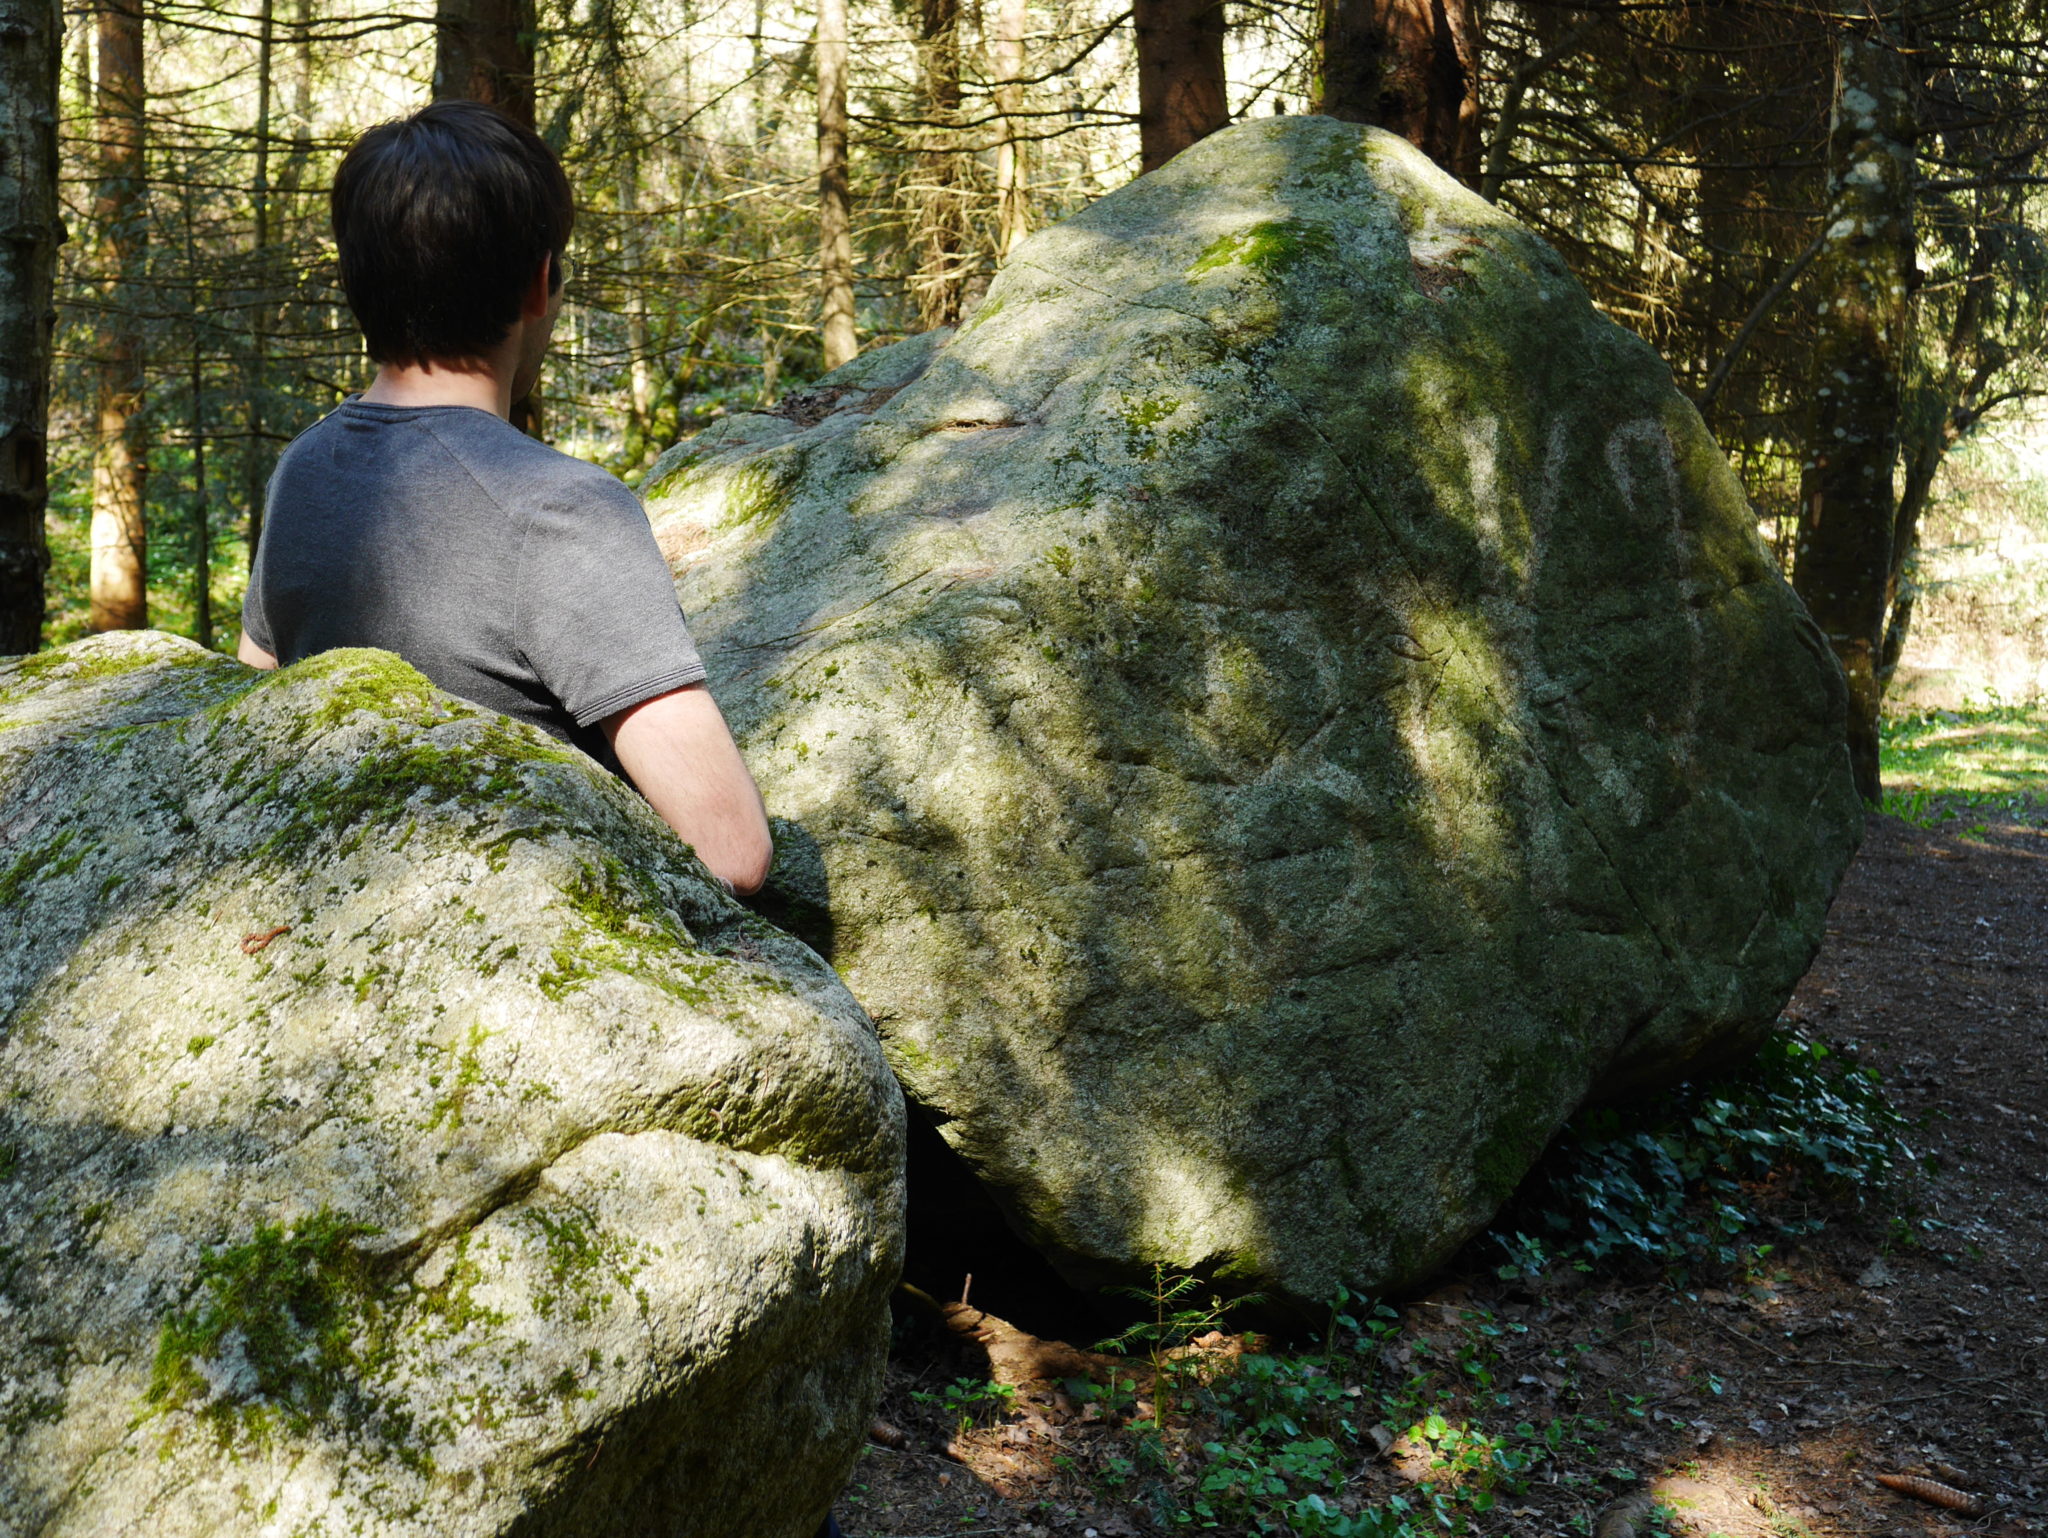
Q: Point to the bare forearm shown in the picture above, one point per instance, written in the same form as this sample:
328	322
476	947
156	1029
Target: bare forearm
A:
677	750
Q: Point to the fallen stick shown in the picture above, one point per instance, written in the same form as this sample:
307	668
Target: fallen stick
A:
1934	1492
1016	1358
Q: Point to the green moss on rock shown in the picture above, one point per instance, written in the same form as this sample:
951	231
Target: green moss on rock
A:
298	1303
1273	247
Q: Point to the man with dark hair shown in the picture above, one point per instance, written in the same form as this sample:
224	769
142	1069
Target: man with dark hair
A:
416	518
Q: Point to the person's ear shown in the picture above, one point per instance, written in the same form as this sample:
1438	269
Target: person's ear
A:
533	304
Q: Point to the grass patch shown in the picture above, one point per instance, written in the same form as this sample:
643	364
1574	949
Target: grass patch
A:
1961	770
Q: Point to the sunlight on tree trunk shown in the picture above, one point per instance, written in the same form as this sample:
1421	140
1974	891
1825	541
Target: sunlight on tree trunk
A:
1411	67
835	197
120	567
1863	275
939	282
301	108
640	374
31	38
1011	215
202	526
1180	76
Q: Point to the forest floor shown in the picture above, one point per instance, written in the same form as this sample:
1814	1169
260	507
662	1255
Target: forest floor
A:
1759	1401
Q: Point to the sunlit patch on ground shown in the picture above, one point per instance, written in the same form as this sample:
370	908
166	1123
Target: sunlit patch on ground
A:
1968	771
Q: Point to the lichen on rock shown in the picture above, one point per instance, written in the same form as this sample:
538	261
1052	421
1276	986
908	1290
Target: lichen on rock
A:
402	1134
1279	707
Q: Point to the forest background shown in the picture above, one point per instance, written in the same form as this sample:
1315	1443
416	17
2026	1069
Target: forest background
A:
1826	217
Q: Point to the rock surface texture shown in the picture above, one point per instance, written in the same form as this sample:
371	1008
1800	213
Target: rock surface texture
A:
399	1134
1284	703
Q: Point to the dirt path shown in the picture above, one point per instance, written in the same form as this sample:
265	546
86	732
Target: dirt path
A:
1911	1342
1936	965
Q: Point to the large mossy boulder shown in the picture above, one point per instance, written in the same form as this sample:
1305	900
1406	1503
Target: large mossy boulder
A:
400	1134
1280	707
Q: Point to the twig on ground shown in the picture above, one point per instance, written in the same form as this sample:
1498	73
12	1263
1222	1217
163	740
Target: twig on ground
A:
1934	1492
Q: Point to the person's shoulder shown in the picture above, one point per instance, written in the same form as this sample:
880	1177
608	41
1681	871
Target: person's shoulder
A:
309	464
309	437
523	472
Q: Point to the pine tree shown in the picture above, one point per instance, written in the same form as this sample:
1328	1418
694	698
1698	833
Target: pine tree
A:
31	40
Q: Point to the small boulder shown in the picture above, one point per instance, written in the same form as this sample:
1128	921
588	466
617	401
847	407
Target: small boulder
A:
1280	707
401	1134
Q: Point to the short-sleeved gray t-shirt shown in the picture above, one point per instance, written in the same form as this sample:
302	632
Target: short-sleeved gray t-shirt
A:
507	572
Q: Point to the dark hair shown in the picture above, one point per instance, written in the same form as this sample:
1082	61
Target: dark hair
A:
441	219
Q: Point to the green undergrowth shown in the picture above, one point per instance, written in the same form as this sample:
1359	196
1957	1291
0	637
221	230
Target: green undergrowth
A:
1961	771
1696	1179
1382	1425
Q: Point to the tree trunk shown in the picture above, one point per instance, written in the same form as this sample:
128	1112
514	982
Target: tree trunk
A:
1180	76
1923	462
120	564
1864	275
757	73
632	247
483	51
31	41
941	238
1507	125
195	435
1009	101
1968	369
835	195
301	109
255	454
1411	67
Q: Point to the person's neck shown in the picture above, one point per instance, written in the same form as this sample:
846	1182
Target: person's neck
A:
480	383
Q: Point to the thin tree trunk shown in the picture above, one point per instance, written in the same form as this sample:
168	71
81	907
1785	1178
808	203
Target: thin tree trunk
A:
1755	318
195	435
1507	126
1180	76
302	94
1864	273
835	194
1009	101
31	43
940	280
1941	430
120	556
771	365
632	235
1923	462
1411	67
255	455
639	368
483	51
757	71
297	128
